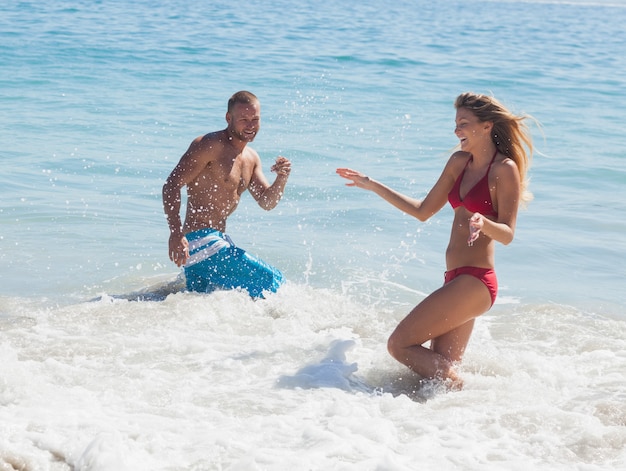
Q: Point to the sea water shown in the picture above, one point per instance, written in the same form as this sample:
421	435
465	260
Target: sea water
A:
106	364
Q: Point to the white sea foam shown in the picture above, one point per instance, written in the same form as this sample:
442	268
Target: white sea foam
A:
302	380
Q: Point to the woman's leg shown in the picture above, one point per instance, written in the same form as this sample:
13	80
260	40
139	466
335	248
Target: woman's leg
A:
446	317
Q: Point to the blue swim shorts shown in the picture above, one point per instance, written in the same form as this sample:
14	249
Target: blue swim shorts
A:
216	263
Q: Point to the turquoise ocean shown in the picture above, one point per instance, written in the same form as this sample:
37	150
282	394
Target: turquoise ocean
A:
106	364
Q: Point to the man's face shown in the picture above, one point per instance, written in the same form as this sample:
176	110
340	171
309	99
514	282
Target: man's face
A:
244	121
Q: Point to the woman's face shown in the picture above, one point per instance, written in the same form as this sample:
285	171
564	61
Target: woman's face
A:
470	130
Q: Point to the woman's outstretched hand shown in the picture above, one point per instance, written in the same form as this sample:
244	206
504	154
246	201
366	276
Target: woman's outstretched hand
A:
358	179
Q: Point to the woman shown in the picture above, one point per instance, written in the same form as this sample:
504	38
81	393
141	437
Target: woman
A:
485	182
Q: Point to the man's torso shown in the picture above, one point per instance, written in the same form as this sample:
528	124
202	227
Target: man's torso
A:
215	193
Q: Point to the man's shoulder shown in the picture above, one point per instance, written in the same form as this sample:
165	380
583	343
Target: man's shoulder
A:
251	153
211	138
210	143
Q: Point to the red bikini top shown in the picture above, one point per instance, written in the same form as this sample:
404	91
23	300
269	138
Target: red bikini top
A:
477	199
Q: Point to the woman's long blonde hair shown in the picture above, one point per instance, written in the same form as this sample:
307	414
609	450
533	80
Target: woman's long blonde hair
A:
509	133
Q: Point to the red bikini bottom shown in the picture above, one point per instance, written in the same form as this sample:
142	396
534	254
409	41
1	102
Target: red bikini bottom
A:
486	275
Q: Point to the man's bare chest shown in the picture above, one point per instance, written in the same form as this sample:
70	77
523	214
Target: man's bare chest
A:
226	175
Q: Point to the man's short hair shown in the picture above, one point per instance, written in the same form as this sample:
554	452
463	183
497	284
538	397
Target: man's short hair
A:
241	97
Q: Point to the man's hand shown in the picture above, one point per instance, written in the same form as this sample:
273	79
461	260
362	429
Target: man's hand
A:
179	249
282	166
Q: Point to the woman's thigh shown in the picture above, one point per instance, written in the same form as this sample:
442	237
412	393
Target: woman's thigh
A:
449	308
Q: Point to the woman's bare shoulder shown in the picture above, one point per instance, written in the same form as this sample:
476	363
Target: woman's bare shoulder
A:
506	168
457	162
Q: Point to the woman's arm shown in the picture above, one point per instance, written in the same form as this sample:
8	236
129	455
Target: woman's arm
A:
420	209
508	193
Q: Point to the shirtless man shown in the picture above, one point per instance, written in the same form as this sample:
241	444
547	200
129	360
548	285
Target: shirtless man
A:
216	169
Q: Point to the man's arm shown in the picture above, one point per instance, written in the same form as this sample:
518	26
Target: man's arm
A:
266	195
189	166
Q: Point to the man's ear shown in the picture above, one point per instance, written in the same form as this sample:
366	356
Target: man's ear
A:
228	117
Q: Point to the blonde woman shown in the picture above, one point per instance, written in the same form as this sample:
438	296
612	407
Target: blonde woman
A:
485	182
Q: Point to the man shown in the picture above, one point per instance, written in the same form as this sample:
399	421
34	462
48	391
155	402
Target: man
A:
216	169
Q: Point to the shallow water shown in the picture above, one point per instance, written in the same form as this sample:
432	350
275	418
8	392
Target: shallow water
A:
106	364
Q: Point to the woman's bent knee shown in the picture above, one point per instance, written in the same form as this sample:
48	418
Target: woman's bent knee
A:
394	347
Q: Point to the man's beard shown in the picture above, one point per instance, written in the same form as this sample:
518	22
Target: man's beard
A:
242	136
